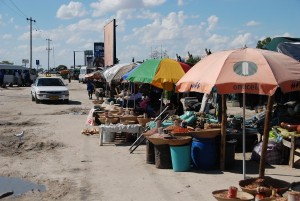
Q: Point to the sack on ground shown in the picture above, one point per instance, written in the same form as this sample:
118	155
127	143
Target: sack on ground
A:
274	153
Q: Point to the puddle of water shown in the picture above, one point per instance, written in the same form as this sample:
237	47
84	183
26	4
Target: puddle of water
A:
18	186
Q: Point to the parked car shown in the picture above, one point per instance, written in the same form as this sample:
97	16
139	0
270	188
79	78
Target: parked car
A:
49	89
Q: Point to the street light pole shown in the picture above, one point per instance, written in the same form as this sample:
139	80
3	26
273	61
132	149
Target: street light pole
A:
75	56
31	20
48	49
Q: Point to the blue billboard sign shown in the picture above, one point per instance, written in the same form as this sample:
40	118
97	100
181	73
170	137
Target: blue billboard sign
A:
99	49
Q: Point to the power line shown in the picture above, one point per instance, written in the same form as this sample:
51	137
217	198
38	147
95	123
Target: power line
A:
18	8
11	8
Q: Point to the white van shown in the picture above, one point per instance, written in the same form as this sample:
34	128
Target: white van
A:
83	71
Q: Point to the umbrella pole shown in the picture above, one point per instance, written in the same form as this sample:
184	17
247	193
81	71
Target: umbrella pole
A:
161	100
128	94
223	133
266	136
244	137
134	96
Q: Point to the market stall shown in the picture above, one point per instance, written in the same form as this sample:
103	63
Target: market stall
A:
118	128
245	70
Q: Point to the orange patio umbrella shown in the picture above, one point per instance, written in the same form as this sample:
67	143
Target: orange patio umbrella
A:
245	70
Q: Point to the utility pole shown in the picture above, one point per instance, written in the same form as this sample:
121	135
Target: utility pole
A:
48	49
30	20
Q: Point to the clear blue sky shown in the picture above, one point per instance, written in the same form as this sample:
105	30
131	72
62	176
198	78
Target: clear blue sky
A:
175	26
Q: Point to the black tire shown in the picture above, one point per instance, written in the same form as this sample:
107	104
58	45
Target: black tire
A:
37	100
66	101
32	98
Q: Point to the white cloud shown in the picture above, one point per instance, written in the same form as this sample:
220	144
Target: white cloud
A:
168	28
24	36
74	39
175	34
286	34
73	9
105	6
146	14
6	36
241	40
217	39
153	2
41	48
212	22
87	24
23	47
179	2
252	23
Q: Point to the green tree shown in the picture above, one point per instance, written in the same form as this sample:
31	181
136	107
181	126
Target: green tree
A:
261	44
61	67
192	60
6	62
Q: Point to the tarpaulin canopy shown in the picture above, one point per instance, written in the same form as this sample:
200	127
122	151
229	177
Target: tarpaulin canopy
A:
117	71
272	45
290	49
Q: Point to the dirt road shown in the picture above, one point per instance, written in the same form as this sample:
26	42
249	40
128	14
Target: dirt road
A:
72	166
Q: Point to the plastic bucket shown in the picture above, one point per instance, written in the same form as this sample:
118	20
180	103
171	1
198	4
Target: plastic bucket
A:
203	153
230	154
162	156
109	136
181	158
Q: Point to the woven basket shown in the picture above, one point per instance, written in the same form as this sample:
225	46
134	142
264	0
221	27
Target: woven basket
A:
180	134
220	195
157	139
113	120
150	132
128	118
143	121
126	122
114	111
206	133
98	101
268	182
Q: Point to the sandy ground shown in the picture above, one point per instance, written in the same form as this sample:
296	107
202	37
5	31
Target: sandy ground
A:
73	166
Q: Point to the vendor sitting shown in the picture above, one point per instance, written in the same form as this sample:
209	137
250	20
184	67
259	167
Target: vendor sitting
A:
130	99
175	104
150	105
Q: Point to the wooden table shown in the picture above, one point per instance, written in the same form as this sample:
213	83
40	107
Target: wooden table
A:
118	128
292	143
